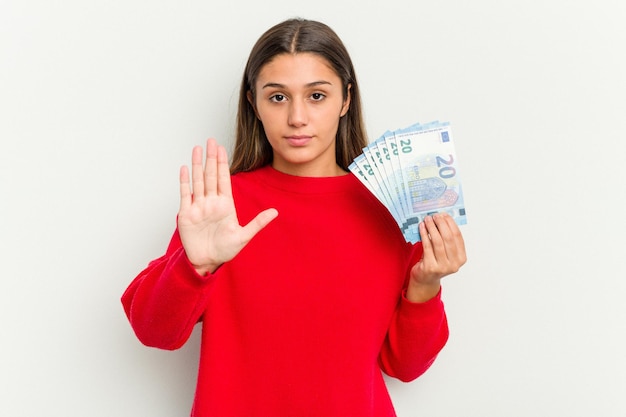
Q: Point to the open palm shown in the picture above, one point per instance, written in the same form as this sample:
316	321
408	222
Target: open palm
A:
207	220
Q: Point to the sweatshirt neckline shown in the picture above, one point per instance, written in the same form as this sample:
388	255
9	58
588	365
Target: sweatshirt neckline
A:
304	185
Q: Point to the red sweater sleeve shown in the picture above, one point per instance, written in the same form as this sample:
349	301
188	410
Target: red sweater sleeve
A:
417	333
166	300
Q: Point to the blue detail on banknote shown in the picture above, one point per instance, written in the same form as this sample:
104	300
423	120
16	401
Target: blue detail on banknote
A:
414	173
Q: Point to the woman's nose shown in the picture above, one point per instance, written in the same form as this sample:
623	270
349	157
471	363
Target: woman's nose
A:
297	114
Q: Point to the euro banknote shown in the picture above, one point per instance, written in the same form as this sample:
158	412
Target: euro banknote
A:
414	173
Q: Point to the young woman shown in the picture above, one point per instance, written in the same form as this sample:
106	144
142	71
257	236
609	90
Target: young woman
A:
303	283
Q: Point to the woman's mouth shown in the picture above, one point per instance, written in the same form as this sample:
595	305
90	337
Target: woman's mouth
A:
298	140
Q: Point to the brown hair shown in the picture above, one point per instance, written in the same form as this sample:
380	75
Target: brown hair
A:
252	149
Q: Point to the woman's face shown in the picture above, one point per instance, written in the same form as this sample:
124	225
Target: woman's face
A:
299	101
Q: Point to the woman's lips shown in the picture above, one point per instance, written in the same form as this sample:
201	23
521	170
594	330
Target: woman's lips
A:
298	140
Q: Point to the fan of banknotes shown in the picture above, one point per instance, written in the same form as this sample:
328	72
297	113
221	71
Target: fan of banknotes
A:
414	173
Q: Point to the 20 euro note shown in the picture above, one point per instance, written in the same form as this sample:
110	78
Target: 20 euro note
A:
420	175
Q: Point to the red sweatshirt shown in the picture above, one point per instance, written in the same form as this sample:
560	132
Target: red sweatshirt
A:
302	321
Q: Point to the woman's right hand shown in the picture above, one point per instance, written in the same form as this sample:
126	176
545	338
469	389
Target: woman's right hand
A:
207	221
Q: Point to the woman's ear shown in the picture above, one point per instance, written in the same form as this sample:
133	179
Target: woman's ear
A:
346	102
250	98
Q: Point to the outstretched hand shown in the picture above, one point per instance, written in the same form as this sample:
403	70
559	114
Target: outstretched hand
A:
444	254
207	220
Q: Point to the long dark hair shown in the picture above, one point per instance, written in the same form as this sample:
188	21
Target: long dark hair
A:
252	149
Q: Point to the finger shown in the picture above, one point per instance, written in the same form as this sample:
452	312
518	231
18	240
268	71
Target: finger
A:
436	241
442	221
196	172
427	246
210	170
258	223
185	191
456	241
223	173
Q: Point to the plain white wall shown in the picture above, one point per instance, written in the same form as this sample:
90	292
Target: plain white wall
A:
101	102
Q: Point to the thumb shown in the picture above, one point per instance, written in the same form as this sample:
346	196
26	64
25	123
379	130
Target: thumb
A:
259	222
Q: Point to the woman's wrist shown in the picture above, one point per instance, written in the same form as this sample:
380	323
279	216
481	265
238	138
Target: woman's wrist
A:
203	270
420	292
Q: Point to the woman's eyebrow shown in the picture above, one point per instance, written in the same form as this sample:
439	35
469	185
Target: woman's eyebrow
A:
311	84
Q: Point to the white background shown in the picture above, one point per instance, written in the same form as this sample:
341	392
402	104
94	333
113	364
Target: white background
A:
102	101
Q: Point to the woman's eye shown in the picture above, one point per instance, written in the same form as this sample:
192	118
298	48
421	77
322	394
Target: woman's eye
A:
277	98
317	96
